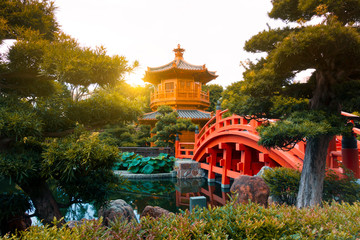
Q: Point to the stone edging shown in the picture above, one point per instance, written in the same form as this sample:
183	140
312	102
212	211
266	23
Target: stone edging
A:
130	175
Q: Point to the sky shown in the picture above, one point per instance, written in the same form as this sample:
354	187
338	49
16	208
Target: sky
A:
212	32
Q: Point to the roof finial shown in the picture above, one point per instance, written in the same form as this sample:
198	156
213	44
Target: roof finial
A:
218	104
179	52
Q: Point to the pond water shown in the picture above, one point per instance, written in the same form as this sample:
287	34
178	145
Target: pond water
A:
170	194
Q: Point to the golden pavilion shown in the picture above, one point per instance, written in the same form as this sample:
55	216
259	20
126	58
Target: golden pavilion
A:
179	85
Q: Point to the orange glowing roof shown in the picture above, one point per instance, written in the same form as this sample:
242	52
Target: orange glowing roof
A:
179	68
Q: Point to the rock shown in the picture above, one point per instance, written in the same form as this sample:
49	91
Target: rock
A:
154	212
358	181
74	223
116	209
251	187
188	169
272	201
262	170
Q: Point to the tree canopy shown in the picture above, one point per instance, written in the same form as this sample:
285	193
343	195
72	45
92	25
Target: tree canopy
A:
308	110
54	95
215	92
168	126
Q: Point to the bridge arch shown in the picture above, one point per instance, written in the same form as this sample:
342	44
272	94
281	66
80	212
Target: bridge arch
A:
234	153
228	146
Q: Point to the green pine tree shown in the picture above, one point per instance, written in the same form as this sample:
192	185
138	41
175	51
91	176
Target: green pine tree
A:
46	107
308	110
168	126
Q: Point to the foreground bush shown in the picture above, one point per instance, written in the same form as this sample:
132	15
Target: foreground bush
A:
284	186
335	221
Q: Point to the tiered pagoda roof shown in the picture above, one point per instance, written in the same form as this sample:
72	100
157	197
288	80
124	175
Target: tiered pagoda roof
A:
192	114
179	67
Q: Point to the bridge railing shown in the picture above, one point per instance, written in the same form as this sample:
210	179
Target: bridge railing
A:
211	122
218	124
184	149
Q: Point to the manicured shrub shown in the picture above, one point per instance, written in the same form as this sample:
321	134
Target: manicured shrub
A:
283	183
136	163
89	230
284	186
250	221
341	189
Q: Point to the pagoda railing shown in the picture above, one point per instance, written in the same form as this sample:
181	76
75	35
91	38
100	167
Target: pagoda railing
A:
181	94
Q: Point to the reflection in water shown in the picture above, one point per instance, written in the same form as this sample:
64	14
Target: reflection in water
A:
187	188
79	211
141	193
170	194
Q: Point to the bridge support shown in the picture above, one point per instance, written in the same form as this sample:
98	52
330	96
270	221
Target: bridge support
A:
226	164
211	160
244	166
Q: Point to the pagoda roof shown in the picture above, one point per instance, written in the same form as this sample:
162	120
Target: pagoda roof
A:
179	64
193	114
179	67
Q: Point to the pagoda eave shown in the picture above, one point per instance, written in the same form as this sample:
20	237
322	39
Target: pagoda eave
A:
203	76
195	115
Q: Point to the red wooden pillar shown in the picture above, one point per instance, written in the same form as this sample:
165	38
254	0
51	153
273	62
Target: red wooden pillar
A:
211	160
177	146
245	163
226	164
331	148
350	154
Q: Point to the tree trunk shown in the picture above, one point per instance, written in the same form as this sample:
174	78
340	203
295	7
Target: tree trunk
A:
43	200
313	172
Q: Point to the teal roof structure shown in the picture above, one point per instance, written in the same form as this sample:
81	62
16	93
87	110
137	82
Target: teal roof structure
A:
193	114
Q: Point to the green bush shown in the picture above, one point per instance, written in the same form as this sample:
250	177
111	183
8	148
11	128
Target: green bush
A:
250	221
283	183
126	135
341	189
136	163
13	204
284	186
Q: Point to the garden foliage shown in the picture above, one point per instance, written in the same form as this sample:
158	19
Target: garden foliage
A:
136	163
251	221
321	37
126	135
284	186
168	125
12	204
50	85
215	92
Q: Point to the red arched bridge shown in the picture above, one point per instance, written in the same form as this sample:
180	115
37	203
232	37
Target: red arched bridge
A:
228	146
